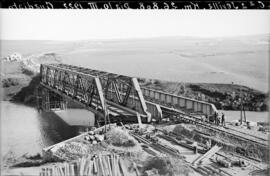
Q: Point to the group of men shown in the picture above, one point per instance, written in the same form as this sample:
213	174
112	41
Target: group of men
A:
219	120
216	119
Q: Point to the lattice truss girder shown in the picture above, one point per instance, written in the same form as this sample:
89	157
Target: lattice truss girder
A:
94	87
85	88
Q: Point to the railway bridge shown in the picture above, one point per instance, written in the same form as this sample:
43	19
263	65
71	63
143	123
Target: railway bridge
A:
110	95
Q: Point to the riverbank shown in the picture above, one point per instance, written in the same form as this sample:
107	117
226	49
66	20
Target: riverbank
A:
25	131
146	150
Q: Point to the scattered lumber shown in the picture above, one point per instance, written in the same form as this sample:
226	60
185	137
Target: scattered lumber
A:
105	165
207	155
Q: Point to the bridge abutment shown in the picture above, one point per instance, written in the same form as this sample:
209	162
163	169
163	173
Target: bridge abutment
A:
49	101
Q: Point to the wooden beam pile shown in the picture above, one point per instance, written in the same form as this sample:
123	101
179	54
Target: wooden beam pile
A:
101	165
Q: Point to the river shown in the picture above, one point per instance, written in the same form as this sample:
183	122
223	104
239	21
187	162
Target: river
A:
250	116
25	130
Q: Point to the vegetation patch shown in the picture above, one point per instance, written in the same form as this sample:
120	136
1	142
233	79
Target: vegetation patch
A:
120	138
9	82
168	166
26	94
27	72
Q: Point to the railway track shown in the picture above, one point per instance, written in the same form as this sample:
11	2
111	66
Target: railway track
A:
229	131
248	138
161	148
169	151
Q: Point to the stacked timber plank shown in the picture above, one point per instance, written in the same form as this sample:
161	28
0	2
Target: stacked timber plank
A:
100	165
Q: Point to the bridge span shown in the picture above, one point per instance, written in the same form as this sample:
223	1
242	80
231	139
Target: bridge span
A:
110	95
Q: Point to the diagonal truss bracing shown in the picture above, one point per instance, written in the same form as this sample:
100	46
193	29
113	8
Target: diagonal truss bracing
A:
84	88
98	90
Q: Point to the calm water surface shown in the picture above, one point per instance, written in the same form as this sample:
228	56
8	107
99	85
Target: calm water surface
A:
250	115
25	130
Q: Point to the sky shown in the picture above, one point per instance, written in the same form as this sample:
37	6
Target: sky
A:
121	24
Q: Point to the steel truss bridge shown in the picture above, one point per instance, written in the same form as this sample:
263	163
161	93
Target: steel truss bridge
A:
111	95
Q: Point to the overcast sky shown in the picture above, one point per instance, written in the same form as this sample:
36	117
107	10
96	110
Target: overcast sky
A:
114	24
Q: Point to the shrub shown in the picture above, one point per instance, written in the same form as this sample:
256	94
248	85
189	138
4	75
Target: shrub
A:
9	82
167	166
162	165
118	137
27	72
181	130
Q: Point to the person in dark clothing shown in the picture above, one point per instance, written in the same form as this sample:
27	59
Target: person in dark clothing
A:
218	120
215	118
223	119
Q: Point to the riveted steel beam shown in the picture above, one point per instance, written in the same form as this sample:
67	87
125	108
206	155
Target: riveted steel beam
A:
96	89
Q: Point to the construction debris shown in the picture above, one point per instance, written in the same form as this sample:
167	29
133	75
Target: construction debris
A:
223	162
135	143
109	165
207	155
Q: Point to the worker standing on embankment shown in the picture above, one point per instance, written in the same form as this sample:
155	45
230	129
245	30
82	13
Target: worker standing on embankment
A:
218	120
223	119
215	117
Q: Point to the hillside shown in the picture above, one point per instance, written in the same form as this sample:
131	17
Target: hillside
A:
215	70
20	78
19	73
241	60
224	96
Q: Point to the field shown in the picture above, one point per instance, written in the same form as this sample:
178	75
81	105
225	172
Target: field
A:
242	60
222	63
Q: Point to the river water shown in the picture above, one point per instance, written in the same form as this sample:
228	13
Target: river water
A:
250	115
25	130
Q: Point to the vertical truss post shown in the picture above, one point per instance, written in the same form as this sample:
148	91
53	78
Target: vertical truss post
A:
141	98
102	99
